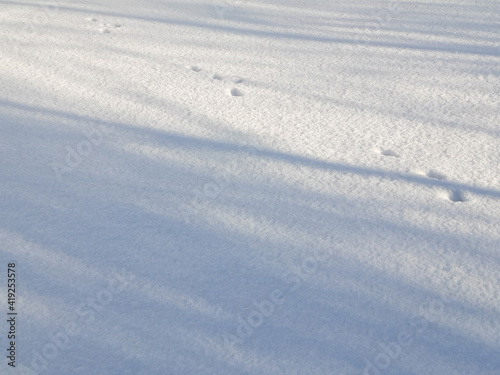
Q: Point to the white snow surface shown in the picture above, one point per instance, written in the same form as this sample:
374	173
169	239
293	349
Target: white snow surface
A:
251	186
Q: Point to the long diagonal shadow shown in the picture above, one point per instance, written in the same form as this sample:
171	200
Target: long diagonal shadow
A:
177	140
448	47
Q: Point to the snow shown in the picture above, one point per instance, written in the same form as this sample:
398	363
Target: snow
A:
251	186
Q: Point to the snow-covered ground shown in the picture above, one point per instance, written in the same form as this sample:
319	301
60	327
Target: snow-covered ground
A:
251	186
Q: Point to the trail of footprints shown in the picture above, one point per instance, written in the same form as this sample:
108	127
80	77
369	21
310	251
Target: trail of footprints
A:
105	28
235	91
454	195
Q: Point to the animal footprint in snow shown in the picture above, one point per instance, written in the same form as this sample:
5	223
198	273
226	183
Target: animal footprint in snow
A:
455	195
387	152
236	92
435	175
234	79
217	77
106	27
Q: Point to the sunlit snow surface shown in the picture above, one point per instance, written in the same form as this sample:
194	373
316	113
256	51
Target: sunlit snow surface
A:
251	187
